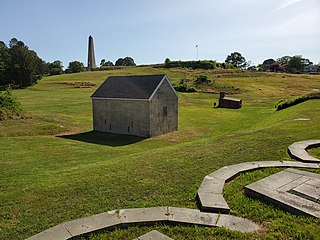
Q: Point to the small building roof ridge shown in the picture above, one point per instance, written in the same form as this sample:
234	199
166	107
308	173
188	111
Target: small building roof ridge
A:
129	87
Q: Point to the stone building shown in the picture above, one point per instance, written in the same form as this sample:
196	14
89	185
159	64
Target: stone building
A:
143	106
226	102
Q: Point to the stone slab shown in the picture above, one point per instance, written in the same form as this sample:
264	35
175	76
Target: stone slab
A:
212	202
211	185
58	232
153	235
225	173
143	215
192	216
243	167
308	191
289	189
107	220
237	223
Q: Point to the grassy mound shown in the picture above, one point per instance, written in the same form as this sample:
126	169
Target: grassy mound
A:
283	104
10	107
48	179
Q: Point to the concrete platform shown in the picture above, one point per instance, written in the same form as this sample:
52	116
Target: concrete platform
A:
292	190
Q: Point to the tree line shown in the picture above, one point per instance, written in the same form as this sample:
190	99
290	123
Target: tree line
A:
21	67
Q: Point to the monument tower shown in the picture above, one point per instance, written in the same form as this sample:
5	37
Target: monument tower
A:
91	57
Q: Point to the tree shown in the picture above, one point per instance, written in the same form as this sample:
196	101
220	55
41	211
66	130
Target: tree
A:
105	63
283	61
75	67
55	68
236	59
294	64
127	61
167	61
4	56
267	63
119	62
23	67
276	67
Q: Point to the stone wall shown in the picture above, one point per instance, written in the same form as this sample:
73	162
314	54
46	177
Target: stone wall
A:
121	116
164	110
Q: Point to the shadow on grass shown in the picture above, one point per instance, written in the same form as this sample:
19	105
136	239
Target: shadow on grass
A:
109	139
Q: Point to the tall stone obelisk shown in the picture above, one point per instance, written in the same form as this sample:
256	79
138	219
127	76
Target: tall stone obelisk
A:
91	57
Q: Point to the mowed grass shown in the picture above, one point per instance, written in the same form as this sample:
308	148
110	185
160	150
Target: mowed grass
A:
54	169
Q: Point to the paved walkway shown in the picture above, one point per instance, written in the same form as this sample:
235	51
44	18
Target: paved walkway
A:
214	208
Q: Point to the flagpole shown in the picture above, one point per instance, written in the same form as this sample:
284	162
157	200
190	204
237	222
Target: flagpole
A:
197	51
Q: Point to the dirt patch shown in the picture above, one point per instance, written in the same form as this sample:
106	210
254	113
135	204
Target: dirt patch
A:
79	84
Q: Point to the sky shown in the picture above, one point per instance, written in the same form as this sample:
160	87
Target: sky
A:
150	31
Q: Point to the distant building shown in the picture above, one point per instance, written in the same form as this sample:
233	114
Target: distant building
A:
143	106
310	69
226	102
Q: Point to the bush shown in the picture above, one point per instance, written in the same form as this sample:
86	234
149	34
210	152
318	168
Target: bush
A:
202	79
183	87
283	104
10	107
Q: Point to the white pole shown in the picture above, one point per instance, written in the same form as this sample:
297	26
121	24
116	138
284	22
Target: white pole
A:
197	51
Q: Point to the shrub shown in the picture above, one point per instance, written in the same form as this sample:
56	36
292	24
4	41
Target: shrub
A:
10	107
183	87
283	104
202	79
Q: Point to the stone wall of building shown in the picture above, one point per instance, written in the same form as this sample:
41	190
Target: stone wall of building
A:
121	116
164	111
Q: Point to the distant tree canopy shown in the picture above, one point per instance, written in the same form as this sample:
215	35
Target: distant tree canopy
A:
105	63
19	66
267	63
55	68
127	61
294	64
75	67
203	64
276	67
236	59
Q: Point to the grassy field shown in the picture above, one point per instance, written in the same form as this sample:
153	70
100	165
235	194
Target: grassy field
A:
55	169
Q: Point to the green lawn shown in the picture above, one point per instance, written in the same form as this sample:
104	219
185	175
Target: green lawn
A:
54	169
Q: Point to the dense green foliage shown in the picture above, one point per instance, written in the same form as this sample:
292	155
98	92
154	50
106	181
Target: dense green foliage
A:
74	172
75	67
10	107
54	68
283	104
106	63
236	59
205	64
183	86
202	79
127	61
19	66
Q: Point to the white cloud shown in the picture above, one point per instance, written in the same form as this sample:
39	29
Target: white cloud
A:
286	3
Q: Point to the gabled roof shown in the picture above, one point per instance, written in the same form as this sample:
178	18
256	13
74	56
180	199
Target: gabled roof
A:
129	87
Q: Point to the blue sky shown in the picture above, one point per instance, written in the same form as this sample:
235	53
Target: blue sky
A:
152	30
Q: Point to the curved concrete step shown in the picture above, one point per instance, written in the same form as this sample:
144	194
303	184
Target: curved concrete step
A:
298	151
126	217
209	194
